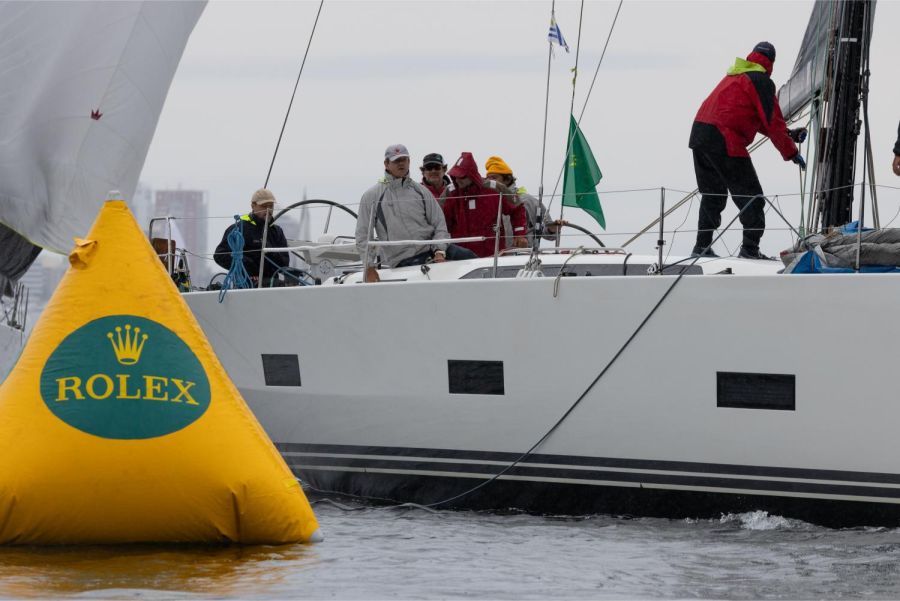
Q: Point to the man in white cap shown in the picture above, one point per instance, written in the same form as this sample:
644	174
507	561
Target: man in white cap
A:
252	225
400	208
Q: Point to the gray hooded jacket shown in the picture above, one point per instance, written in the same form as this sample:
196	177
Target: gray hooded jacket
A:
520	196
398	209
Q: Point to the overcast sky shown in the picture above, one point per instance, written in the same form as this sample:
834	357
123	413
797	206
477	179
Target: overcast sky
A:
456	76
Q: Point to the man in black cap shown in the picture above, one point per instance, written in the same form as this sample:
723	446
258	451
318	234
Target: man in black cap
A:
434	174
742	105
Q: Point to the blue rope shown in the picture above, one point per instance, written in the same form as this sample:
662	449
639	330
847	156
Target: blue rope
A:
237	276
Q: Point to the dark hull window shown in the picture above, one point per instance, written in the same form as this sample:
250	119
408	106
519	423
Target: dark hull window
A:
475	377
755	391
281	370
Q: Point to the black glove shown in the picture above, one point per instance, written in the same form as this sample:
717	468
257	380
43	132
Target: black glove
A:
798	159
798	135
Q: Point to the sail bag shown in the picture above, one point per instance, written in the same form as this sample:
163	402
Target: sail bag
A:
119	424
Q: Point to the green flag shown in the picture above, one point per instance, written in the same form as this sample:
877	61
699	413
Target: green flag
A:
582	176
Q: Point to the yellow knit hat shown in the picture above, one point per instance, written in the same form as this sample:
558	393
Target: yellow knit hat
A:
497	165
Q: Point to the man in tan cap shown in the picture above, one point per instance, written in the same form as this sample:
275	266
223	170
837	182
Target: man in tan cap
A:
252	225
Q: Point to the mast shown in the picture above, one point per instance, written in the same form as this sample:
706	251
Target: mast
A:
841	124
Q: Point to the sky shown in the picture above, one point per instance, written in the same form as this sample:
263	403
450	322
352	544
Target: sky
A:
457	76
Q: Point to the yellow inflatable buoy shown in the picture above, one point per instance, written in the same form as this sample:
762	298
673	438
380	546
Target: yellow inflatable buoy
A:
119	424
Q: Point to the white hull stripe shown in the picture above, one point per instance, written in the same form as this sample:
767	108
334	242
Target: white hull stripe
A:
666	475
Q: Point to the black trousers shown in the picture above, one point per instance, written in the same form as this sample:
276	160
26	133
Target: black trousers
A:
454	252
717	175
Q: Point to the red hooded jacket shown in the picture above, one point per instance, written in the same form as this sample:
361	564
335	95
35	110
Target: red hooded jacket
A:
472	211
742	105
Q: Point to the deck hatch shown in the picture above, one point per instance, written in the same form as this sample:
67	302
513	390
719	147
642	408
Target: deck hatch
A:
281	370
475	377
755	391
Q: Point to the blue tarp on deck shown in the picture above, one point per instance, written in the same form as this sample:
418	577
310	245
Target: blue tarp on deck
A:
810	262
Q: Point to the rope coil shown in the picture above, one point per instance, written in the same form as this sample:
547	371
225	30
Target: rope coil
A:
237	276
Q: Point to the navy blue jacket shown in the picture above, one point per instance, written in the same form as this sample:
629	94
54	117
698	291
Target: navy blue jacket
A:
253	230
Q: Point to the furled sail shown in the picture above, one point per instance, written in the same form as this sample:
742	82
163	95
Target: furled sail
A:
808	75
83	84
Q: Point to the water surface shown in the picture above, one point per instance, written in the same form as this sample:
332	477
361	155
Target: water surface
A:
412	553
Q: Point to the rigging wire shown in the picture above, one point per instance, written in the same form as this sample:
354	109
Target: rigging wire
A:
571	138
690	195
546	108
586	99
677	229
296	85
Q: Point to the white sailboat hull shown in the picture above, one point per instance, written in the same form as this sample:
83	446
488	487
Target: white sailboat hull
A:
740	392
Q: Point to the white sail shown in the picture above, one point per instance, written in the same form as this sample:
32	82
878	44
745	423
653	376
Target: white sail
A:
82	85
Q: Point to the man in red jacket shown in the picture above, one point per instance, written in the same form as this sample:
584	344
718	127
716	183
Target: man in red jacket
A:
742	105
470	208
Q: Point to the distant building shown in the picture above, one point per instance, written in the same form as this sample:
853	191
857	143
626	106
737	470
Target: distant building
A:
42	278
142	205
35	279
190	208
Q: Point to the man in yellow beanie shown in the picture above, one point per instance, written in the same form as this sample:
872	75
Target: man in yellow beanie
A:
501	173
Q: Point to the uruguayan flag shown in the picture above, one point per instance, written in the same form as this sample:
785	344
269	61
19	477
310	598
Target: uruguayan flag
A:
555	35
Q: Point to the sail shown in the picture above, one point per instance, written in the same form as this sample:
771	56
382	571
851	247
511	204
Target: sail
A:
17	256
83	84
808	75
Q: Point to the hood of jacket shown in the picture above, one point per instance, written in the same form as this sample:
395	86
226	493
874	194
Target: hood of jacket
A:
466	166
754	62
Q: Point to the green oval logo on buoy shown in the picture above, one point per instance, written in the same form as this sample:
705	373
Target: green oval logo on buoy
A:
125	377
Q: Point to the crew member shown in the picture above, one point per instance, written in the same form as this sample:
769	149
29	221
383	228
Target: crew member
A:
743	104
500	172
434	174
252	226
399	208
471	209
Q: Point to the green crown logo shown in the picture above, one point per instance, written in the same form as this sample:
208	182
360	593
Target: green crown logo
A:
128	348
126	394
